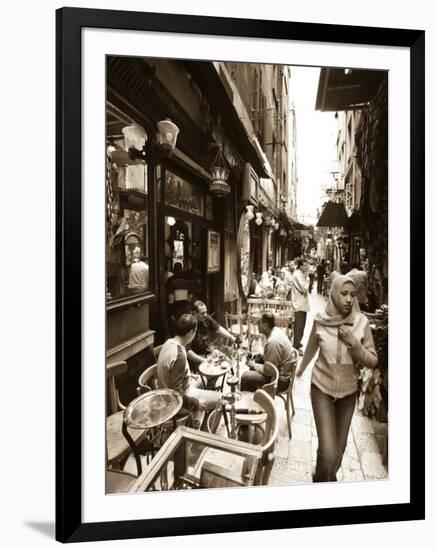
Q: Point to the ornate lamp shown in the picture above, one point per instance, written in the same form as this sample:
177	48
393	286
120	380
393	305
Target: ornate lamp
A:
219	186
258	219
250	213
140	147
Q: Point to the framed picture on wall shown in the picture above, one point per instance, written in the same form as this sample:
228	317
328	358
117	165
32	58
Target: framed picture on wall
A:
213	251
158	92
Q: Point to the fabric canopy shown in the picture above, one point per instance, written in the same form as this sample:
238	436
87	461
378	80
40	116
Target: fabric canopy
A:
333	215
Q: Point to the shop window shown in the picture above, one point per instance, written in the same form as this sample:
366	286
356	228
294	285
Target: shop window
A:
127	221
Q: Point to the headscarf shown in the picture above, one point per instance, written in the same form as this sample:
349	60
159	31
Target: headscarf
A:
330	315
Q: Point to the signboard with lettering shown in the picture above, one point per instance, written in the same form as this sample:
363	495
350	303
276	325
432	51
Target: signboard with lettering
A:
183	195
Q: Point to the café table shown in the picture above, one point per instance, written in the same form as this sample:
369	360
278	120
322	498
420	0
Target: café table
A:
210	371
150	410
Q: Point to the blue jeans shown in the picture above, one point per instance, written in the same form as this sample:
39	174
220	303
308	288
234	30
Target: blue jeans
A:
333	420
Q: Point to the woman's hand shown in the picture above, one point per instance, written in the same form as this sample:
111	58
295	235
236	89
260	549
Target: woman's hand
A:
346	336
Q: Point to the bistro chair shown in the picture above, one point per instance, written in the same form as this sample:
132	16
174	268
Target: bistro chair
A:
117	446
286	395
236	324
268	439
254	422
156	351
270	436
149	381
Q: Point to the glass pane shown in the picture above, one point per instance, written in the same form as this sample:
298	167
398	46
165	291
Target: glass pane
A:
127	238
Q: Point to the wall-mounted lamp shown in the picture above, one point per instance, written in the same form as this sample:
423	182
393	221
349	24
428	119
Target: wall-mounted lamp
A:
250	213
140	147
219	186
171	220
258	219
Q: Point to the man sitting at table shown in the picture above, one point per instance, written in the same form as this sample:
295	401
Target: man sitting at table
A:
201	344
278	350
173	370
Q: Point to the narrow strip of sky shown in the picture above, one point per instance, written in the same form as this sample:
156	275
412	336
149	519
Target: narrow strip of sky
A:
316	139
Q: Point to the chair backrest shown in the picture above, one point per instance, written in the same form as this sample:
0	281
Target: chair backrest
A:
286	323
270	435
271	370
156	351
292	377
112	371
148	380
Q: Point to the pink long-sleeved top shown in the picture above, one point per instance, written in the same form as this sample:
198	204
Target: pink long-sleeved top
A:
335	371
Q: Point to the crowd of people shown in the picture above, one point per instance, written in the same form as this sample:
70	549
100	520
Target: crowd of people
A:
340	335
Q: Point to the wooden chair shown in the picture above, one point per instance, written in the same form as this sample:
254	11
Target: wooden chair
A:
286	395
254	422
113	370
271	433
236	324
117	446
148	380
156	351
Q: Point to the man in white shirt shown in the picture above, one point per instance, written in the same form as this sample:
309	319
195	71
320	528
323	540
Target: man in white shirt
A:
300	301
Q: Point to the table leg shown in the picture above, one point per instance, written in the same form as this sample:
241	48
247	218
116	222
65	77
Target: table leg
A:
133	447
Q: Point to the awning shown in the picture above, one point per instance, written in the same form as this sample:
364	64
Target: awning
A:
341	91
212	84
333	215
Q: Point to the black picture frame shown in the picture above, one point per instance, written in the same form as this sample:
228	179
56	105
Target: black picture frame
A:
70	22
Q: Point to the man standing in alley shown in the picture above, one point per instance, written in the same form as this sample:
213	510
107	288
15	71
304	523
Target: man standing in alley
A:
320	274
360	279
312	271
300	301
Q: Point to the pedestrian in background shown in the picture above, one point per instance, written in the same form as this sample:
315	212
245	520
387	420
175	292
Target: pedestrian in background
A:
343	337
312	271
320	274
300	301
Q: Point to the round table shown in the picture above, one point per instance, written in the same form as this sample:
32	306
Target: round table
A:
209	371
150	410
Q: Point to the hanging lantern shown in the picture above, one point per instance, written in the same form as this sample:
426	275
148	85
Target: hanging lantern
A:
167	134
219	186
250	213
258	219
282	232
171	221
276	225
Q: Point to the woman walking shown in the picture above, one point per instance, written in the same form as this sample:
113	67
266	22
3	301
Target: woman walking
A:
343	337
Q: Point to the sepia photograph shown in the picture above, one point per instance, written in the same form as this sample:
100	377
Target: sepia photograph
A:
247	274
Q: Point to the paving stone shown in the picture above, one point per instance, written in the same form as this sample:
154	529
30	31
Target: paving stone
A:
282	447
352	475
372	465
301	431
362	424
302	416
366	442
351	463
300	451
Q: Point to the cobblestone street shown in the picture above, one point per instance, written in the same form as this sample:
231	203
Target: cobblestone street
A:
296	458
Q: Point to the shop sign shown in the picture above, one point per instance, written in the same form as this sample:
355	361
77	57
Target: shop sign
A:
183	195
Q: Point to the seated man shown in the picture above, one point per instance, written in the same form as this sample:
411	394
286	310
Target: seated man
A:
205	325
173	370
278	350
